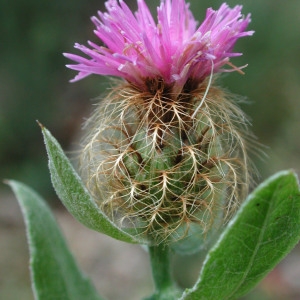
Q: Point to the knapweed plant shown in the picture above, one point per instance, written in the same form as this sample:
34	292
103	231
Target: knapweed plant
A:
165	160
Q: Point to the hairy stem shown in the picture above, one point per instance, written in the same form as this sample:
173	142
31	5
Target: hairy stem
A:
161	271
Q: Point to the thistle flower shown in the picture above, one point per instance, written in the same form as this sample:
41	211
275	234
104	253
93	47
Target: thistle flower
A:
166	147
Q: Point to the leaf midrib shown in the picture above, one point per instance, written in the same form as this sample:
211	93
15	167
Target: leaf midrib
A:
258	244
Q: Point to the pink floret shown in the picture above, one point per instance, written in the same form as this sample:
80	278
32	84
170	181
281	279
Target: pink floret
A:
174	49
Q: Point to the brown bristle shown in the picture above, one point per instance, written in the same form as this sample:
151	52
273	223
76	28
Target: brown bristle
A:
153	164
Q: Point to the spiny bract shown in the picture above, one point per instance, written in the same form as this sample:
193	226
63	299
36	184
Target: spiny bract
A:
152	166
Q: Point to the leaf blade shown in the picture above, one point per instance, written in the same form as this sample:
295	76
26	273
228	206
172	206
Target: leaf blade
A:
54	272
264	230
74	195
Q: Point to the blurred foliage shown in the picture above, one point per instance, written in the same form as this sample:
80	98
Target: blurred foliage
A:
34	82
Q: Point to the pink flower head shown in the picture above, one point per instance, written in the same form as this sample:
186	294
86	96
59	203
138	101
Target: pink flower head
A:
173	50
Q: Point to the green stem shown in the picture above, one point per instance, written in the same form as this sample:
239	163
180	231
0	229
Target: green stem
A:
161	271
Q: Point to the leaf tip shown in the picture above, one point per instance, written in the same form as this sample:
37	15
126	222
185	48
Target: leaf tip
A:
8	182
40	124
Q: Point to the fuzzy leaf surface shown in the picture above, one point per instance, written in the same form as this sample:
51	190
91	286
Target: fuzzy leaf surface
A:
264	230
54	272
74	195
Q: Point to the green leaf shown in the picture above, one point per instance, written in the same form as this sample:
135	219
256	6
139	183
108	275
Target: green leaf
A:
54	272
74	195
263	231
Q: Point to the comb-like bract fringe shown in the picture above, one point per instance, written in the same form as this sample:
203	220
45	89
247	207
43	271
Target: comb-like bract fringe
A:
153	164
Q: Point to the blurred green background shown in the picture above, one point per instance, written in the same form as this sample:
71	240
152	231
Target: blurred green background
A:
34	85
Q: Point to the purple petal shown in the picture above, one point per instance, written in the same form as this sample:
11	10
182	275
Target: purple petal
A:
173	49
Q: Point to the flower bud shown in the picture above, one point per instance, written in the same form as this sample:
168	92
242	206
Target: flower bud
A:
166	148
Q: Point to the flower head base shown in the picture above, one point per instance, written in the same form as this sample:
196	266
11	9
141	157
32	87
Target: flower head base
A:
152	166
174	50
